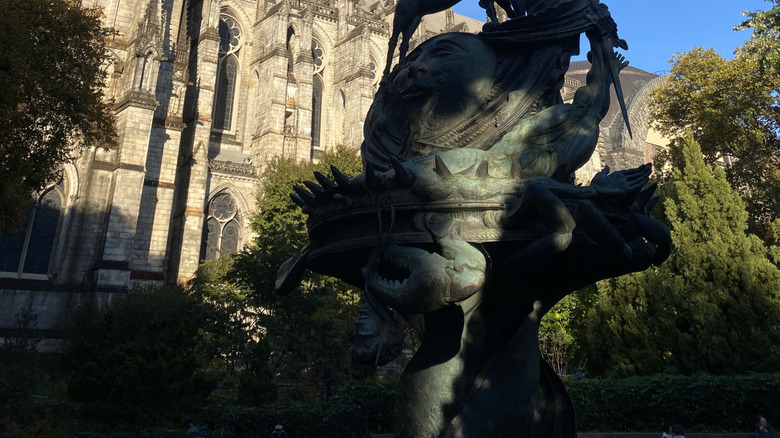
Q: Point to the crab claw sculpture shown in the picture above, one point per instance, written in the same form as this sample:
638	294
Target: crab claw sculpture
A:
467	224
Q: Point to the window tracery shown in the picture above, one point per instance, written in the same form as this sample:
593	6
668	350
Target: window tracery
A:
222	226
227	73
318	61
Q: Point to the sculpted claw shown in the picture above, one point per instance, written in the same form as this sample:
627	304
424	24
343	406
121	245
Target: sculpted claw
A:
651	203
622	62
655	232
646	195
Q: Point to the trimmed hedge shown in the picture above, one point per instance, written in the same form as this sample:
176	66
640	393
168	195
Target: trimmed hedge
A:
701	403
358	409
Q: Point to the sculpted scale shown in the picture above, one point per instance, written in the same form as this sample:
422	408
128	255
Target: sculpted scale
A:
467	224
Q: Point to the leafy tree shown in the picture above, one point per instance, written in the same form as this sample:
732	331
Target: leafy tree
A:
310	329
764	43
52	100
733	111
713	306
232	334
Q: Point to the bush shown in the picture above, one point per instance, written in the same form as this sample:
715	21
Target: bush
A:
357	409
143	359
701	403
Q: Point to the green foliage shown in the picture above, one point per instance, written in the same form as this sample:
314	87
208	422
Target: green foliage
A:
714	306
237	344
764	43
51	68
701	403
774	247
731	107
280	224
556	340
142	359
358	408
310	329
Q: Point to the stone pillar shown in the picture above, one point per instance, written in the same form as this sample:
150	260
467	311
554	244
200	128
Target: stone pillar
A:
195	166
134	121
272	108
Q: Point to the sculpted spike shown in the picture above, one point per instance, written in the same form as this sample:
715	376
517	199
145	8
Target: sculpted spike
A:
341	180
482	170
306	196
441	168
402	174
314	188
371	180
324	181
298	200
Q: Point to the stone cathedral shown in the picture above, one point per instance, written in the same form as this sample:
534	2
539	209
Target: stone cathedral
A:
205	92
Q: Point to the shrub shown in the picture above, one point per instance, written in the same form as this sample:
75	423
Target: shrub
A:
357	409
141	359
701	403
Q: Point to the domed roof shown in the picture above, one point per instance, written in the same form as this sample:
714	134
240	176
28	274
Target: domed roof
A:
631	79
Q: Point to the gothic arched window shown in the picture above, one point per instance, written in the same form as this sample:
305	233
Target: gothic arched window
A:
318	59
222	226
227	73
28	249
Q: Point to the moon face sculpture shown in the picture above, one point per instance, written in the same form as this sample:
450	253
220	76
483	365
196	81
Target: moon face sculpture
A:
467	224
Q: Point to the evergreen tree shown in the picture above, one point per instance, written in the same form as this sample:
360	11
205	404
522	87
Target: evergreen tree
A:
714	306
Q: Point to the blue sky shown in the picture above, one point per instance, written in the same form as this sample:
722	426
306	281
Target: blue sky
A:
656	30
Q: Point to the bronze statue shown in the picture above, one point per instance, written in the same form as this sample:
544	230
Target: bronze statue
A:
467	223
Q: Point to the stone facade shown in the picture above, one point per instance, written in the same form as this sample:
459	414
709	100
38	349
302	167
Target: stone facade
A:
205	93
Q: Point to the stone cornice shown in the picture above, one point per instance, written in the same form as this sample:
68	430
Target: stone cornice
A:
276	51
377	27
229	167
362	72
136	99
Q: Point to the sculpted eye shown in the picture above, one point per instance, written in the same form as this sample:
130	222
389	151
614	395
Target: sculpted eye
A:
445	48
